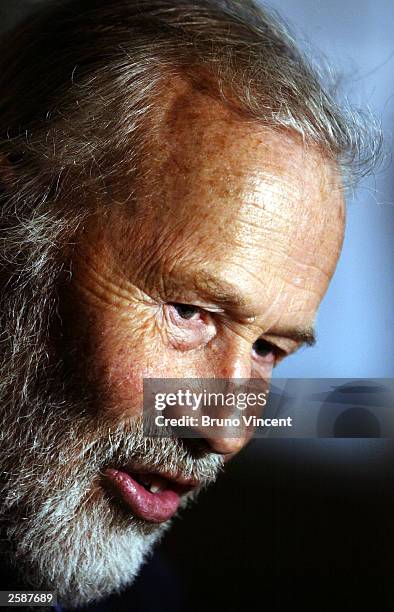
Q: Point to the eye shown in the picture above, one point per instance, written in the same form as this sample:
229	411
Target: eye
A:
264	349
186	311
188	326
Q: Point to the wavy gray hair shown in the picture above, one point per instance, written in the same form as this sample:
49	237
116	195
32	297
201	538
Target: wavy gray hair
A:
84	84
80	79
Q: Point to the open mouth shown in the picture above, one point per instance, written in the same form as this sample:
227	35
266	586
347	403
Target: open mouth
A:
150	496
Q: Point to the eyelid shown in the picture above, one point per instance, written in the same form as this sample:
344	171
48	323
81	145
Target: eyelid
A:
273	348
188	334
285	346
176	305
281	351
176	320
207	307
174	316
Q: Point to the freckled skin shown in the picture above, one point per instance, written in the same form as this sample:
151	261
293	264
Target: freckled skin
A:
223	198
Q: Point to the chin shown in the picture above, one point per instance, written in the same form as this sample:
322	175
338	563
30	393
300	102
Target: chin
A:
85	557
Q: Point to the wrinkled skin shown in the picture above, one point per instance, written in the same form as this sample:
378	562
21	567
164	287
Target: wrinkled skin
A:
241	223
223	203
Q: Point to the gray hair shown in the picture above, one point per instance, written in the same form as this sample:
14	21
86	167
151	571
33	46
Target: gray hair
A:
81	78
83	86
83	83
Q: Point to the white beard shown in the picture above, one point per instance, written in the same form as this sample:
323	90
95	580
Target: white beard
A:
67	533
59	529
83	558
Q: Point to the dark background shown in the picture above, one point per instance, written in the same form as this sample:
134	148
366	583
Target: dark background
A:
293	524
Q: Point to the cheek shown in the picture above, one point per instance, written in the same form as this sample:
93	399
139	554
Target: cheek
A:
261	369
122	346
123	350
122	355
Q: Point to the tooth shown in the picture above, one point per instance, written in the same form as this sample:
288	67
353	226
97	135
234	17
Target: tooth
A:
157	484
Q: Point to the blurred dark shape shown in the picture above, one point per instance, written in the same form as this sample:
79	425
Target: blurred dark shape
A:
357	423
366	395
336	419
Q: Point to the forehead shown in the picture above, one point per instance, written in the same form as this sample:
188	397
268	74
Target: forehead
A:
217	181
220	198
207	155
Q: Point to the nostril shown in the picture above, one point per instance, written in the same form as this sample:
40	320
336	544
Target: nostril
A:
200	443
198	447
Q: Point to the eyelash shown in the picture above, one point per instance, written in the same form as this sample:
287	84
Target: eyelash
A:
185	307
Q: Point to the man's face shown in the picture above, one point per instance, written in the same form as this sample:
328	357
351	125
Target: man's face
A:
218	270
215	270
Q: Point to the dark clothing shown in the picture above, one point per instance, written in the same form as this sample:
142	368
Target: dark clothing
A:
157	589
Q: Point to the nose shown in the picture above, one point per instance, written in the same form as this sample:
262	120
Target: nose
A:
227	440
224	371
218	444
225	433
222	440
234	363
225	446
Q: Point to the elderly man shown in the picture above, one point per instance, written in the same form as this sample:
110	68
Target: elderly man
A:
172	182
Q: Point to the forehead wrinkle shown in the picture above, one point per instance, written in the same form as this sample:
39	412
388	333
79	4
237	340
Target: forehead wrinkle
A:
219	183
214	288
220	291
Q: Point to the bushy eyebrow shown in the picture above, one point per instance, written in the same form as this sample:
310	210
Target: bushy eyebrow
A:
228	297
303	335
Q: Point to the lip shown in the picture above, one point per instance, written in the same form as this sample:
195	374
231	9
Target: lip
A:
152	507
